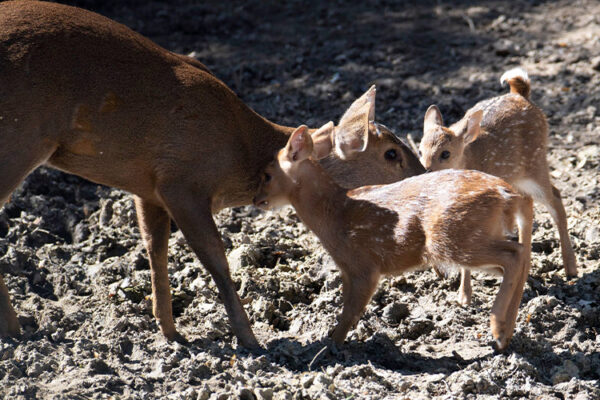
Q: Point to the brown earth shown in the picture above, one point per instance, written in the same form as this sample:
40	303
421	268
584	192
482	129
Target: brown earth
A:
71	254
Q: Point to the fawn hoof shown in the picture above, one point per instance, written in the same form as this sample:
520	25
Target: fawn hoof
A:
571	271
173	336
500	334
464	299
499	345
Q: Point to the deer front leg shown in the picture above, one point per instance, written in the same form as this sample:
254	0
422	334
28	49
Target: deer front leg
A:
155	224
193	216
357	291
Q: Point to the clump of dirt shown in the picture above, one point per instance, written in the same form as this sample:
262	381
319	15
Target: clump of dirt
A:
74	264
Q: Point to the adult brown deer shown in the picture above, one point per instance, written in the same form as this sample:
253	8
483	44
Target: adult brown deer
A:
505	136
88	96
446	218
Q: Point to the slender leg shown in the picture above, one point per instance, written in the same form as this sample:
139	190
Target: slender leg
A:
465	291
154	222
357	292
554	204
192	214
525	223
509	257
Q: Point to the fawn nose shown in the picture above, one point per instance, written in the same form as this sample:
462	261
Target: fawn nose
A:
259	203
428	170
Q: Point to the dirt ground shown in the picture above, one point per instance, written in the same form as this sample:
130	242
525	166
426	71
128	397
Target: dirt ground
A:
71	254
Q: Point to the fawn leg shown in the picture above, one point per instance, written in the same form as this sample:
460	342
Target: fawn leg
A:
508	255
357	291
554	204
155	227
525	224
465	290
193	216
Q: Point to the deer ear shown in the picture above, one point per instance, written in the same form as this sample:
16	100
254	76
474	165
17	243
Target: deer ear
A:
433	118
299	146
352	135
358	106
322	141
473	127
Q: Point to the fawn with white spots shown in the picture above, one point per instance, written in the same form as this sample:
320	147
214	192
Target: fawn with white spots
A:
87	95
449	218
505	136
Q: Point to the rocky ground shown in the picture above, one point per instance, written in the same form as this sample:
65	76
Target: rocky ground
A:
71	254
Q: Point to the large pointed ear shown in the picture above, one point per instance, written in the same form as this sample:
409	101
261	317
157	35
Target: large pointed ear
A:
358	106
352	136
299	146
433	118
322	141
473	127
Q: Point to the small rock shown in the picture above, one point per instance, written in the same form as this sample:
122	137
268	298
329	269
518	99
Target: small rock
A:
307	380
265	394
98	366
246	394
106	212
395	312
243	256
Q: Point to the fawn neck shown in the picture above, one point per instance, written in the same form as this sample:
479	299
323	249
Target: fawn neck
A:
318	200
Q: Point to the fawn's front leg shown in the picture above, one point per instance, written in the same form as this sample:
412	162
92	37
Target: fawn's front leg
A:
193	216
356	291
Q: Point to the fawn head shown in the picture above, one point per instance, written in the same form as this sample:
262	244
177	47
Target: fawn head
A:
282	174
364	152
443	147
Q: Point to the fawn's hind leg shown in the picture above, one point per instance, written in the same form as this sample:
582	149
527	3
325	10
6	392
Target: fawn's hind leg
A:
19	155
509	255
525	224
554	204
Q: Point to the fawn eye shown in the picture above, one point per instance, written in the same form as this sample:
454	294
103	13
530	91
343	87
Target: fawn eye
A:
445	155
267	177
390	154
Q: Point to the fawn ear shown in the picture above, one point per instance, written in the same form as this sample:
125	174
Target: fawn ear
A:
473	127
299	146
433	118
322	141
352	134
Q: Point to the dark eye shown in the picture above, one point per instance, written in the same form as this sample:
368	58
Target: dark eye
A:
267	177
390	154
445	155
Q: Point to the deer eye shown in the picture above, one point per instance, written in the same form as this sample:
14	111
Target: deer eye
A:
267	177
445	155
390	154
